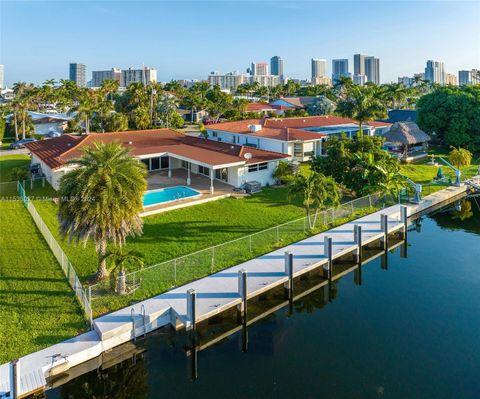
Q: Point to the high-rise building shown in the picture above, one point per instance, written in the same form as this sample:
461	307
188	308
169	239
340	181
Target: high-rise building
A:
229	81
372	69
435	72
339	68
125	76
276	66
469	77
259	68
2	77
99	76
145	75
78	73
450	79
359	64
359	79
319	68
406	81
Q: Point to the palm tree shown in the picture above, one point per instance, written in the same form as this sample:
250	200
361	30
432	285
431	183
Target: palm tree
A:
166	105
101	199
395	94
121	259
109	87
85	109
316	191
240	104
363	105
460	157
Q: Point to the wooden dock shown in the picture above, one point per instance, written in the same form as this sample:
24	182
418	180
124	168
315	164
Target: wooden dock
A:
213	294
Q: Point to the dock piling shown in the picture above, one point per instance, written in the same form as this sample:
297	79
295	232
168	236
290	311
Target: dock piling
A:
357	238
384	227
327	269
242	291
191	309
14	378
289	273
404	219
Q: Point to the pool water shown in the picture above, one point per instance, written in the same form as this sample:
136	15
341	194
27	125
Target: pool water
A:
409	328
168	194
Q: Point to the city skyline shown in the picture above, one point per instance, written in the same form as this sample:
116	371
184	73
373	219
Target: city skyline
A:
171	57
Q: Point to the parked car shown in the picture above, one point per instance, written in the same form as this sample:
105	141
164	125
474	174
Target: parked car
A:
53	133
21	143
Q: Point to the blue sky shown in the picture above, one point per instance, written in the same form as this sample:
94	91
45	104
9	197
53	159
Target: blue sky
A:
189	39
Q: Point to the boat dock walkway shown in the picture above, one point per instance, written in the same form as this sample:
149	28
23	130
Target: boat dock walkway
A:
212	294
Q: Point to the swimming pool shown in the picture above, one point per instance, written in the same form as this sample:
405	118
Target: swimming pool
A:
169	194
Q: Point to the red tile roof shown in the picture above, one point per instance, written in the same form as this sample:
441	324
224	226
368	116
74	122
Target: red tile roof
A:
56	152
259	107
276	127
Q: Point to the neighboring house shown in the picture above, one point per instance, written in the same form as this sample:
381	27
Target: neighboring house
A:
198	116
292	103
46	123
260	108
301	138
163	149
401	115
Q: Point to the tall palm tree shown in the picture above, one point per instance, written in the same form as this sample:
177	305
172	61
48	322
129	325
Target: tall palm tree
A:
240	105
109	87
363	104
316	191
101	199
167	104
85	108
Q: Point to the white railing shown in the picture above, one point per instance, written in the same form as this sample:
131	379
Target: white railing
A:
66	265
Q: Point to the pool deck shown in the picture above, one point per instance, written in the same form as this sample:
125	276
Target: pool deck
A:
215	293
199	183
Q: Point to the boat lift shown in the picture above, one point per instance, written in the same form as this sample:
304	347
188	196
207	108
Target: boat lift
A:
458	173
417	198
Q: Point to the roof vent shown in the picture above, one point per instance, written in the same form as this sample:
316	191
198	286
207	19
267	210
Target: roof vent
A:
255	128
232	147
69	144
248	155
130	142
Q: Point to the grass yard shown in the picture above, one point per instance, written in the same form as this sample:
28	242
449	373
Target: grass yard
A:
183	231
37	306
10	162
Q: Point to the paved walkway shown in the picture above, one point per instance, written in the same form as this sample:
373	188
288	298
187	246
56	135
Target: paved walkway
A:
215	293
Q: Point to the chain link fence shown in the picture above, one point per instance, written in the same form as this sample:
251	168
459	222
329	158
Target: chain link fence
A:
161	277
66	265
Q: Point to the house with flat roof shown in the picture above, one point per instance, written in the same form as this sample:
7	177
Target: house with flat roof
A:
301	138
164	150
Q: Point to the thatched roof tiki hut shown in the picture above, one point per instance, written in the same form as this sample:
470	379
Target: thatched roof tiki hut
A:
407	140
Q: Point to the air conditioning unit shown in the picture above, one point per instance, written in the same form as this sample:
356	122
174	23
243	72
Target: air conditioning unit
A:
253	187
255	128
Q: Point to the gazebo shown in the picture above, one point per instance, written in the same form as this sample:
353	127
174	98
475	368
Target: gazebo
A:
407	141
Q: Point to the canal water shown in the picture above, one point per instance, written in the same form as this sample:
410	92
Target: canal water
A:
411	329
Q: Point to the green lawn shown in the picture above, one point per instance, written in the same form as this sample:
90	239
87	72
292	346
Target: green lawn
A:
9	162
37	306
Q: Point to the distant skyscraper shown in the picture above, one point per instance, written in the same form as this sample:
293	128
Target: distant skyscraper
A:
145	75
450	79
359	64
359	79
99	76
468	77
319	68
78	74
435	72
259	68
372	69
2	77
276	66
339	69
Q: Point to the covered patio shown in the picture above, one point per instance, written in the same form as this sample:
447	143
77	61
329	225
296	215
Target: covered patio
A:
407	141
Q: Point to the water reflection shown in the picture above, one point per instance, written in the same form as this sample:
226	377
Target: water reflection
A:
466	211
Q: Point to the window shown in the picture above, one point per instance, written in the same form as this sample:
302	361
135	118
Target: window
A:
164	162
214	134
185	165
203	170
308	154
155	163
298	150
222	174
147	164
257	167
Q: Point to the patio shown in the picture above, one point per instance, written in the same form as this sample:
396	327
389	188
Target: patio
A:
160	179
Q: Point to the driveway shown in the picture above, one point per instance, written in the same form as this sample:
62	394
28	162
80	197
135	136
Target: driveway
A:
14	152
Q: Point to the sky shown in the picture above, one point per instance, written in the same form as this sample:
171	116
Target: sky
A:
189	39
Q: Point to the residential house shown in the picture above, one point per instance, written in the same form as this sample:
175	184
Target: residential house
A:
163	149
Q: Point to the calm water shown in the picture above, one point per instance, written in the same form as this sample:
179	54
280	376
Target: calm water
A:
168	194
411	331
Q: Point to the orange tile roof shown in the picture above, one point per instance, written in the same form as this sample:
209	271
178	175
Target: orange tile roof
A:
56	152
275	127
257	107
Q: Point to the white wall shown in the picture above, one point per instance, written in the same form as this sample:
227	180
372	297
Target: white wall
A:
242	139
239	175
